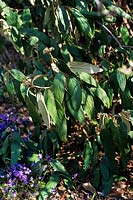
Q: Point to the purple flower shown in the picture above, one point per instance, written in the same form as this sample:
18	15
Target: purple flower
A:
48	157
2	126
20	172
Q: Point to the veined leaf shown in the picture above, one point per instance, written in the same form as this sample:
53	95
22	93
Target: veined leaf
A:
59	87
75	92
18	75
88	68
50	103
43	109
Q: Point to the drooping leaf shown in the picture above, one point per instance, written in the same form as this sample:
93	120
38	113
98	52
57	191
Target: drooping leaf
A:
87	78
18	75
109	148
59	87
88	155
89	106
15	152
82	22
121	78
51	184
101	94
80	67
32	110
61	123
43	109
107	177
50	103
77	114
75	92
58	167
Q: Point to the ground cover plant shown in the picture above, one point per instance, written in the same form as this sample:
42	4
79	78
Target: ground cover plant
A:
73	72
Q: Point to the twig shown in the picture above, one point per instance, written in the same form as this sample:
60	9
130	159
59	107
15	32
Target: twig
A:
113	36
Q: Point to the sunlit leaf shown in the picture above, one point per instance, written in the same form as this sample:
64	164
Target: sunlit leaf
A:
50	103
43	109
18	75
84	67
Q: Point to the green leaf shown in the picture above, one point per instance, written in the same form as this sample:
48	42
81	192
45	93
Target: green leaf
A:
87	78
50	104
89	106
119	11
75	92
43	109
130	134
121	78
4	148
83	67
125	34
107	178
52	183
101	94
57	166
96	177
15	152
32	110
77	114
82	22
109	148
88	155
34	158
54	139
59	87
61	123
18	75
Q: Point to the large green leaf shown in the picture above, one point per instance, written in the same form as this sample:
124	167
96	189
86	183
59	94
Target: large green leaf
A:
75	92
107	177
101	94
89	106
61	123
77	114
32	110
18	75
82	22
87	78
59	87
88	155
109	148
50	104
80	67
